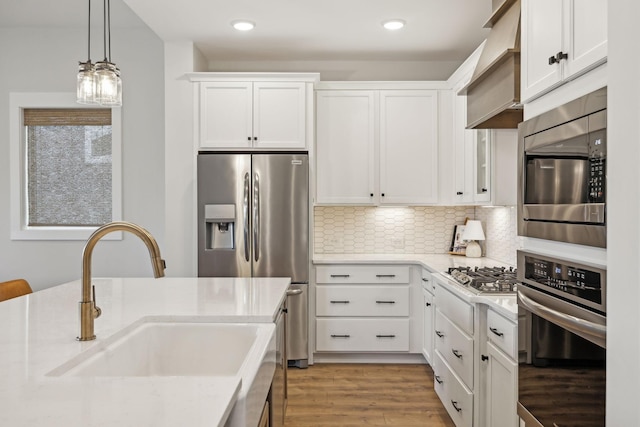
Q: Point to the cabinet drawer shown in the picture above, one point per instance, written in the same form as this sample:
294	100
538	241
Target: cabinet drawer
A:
369	274
362	335
427	282
455	397
502	332
362	300
457	310
455	346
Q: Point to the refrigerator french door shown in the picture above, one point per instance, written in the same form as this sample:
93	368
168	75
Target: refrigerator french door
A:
253	221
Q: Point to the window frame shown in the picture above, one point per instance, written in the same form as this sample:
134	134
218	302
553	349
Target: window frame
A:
20	230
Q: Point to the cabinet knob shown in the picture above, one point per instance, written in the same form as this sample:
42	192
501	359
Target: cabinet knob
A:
382	194
558	57
370	194
552	60
255	138
428	304
248	138
484	358
484	190
459	193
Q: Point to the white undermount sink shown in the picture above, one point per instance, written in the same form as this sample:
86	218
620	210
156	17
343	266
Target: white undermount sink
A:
170	348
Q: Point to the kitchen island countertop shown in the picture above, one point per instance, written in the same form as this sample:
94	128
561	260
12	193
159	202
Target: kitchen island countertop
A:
38	335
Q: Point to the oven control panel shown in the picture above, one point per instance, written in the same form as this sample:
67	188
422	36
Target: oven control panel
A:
572	280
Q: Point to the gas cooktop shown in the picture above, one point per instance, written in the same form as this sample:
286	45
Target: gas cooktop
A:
481	280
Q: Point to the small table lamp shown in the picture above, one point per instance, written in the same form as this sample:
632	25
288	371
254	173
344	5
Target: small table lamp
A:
472	233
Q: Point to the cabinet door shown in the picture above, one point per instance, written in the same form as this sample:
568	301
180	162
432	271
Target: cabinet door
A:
482	166
502	390
225	115
279	115
463	154
585	35
345	147
427	343
542	22
408	146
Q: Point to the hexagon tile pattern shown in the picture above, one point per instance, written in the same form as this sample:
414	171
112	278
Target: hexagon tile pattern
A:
501	232
411	230
386	230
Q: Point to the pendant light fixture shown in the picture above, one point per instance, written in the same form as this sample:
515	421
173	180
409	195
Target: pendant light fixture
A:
100	83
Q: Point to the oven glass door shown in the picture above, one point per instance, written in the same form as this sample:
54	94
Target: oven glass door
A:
562	382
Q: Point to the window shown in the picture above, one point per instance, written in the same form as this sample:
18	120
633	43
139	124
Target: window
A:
65	167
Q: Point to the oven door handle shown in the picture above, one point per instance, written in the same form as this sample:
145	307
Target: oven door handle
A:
582	327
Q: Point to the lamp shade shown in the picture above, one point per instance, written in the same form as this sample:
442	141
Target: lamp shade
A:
473	231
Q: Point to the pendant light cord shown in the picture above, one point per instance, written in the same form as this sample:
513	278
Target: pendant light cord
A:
104	22
89	34
109	20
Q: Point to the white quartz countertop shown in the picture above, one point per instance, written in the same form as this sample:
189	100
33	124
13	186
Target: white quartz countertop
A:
436	263
38	334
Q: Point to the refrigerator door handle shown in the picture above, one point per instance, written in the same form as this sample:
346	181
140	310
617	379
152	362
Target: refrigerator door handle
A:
245	209
256	217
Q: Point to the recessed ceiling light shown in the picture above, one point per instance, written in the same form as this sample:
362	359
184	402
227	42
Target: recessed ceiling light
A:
393	24
243	25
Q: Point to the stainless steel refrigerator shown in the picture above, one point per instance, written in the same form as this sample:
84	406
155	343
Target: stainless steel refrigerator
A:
253	221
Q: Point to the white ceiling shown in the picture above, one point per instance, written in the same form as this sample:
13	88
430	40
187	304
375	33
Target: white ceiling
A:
436	30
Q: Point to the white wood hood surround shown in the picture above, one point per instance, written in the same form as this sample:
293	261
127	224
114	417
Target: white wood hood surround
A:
38	334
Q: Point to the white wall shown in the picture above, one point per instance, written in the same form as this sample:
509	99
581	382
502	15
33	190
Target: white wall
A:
623	210
45	60
348	70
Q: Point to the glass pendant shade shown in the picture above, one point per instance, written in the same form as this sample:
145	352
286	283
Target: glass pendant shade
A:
108	84
86	84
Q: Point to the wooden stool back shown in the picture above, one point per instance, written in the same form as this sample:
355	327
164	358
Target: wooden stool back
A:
14	288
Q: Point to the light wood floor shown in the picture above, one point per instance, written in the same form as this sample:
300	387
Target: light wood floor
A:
352	395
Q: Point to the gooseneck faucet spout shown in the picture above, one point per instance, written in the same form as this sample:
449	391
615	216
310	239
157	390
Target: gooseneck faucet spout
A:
88	309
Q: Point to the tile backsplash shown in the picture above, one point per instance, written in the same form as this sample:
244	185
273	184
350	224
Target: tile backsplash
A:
357	229
501	232
420	230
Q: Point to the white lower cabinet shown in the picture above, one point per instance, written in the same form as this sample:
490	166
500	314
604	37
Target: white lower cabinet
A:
454	355
366	308
362	335
455	396
501	394
502	389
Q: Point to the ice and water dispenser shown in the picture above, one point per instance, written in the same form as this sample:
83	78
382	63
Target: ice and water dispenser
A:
220	221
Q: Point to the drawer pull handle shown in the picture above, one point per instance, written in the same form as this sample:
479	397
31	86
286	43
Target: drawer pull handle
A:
425	280
340	336
439	334
438	379
386	275
341	275
385	336
497	332
456	353
339	302
385	302
484	358
455	405
428	304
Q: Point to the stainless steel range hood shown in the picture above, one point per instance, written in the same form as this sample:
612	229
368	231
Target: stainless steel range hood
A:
493	93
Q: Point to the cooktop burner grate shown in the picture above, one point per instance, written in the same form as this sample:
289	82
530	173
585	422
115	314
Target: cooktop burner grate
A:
486	279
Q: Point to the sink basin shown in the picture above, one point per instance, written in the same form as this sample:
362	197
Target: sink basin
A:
169	348
173	349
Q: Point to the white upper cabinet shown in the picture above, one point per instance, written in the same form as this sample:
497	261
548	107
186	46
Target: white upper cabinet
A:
345	147
279	115
561	39
409	146
377	147
254	111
